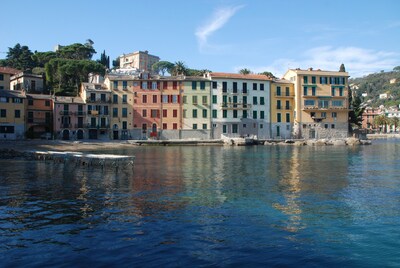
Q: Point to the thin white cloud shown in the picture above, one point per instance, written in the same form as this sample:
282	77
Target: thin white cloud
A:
358	61
218	20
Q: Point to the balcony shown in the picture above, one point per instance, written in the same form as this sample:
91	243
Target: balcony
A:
319	108
283	95
64	125
235	106
101	126
90	100
80	113
65	113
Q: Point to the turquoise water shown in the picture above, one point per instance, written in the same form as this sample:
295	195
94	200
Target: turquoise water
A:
207	206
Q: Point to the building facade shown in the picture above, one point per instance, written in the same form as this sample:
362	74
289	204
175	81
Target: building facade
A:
5	76
321	103
39	116
98	100
282	109
69	118
140	60
12	115
31	83
240	105
196	108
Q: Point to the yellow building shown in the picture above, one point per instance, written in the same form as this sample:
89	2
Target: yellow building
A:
5	76
121	118
282	109
321	103
12	115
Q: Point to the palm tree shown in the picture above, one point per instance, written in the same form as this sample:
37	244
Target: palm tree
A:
381	121
394	121
245	71
179	68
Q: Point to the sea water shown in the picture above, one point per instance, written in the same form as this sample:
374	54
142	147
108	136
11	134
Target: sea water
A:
181	206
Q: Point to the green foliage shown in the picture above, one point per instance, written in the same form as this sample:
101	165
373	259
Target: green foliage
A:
355	115
195	72
268	74
105	60
19	57
396	69
76	52
41	58
342	68
245	71
162	67
179	68
381	121
115	63
67	74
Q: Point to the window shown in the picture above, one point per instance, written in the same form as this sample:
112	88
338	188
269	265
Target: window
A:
224	113
323	104
287	105
278	91
278	104
214	113
202	85
214	85
165	85
313	80
174	126
323	114
144	85
204	126
1	77
309	102
287	118
234	128
194	113
224	128
124	84
326	125
235	113
262	115
235	87
244	125
124	98
333	126
323	80
30	101
305	91
174	85
254	86
194	85
278	131
214	99
165	99
194	126
278	117
244	99
254	100
244	114
115	98
337	103
155	113
305	80
204	100
254	114
262	102
194	100
313	91
17	114
115	85
144	98
154	85
124	112
174	113
105	110
287	91
334	115
262	87
333	91
224	99
184	99
204	113
184	113
224	87
164	126
47	103
144	113
115	112
154	98
244	87
341	91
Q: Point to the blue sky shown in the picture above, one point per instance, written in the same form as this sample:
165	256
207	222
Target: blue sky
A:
220	35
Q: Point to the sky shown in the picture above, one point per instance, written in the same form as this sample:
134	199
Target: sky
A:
218	35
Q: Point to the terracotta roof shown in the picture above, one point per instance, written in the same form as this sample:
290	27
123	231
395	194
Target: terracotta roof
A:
12	93
240	76
8	70
39	96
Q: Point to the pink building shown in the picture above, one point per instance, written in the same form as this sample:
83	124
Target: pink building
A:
69	118
368	117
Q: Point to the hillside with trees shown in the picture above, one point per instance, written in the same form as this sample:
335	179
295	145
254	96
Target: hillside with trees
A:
376	84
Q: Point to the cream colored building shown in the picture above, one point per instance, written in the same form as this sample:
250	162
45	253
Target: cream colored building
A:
141	60
321	103
282	109
32	83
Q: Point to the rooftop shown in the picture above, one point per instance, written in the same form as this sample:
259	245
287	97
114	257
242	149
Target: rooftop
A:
241	76
8	70
39	96
12	93
318	72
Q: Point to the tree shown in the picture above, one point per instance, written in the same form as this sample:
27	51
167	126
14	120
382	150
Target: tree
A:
76	52
268	74
19	57
342	68
245	71
104	59
41	58
115	63
396	69
162	67
179	68
394	121
355	115
381	121
194	72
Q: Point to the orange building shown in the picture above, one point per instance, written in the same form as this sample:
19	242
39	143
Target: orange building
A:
39	116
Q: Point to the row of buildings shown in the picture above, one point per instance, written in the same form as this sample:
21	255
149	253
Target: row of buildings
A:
138	105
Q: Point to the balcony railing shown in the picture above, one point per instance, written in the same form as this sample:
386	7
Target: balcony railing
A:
235	106
65	113
99	126
90	100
